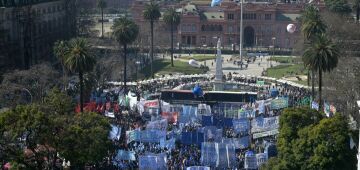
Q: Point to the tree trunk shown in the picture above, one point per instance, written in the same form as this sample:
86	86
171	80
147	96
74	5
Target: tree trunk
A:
358	13
313	84
125	52
320	83
172	44
152	48
308	78
81	92
102	22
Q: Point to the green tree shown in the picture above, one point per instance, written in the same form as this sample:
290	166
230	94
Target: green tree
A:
22	131
307	140
80	59
102	4
125	32
152	14
312	25
321	56
338	6
172	18
85	139
59	49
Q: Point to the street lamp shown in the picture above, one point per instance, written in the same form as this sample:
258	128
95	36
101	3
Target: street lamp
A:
137	63
358	155
273	38
241	33
204	53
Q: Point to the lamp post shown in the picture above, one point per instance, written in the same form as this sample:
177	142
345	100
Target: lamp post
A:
358	155
204	53
241	33
137	63
273	38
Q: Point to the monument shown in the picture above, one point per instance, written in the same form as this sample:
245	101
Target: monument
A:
218	84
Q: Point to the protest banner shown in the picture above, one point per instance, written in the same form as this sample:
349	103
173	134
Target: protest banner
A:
115	132
261	124
198	168
250	160
125	155
239	143
188	114
219	155
265	134
158	124
261	158
152	162
280	103
241	125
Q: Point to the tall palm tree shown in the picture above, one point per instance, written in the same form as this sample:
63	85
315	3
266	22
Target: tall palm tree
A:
311	23
356	7
311	26
102	4
322	56
172	18
60	48
152	14
125	31
79	59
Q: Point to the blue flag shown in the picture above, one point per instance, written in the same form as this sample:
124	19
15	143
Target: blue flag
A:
215	2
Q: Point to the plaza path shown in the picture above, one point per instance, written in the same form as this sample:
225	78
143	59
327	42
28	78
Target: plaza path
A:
252	69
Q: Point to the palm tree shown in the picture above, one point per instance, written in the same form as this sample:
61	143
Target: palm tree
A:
311	26
152	14
79	59
125	32
356	7
321	56
102	4
311	23
60	48
172	18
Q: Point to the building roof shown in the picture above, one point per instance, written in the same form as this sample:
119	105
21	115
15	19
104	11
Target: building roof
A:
287	17
214	15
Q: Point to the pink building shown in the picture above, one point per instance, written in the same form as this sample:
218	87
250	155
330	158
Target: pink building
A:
264	24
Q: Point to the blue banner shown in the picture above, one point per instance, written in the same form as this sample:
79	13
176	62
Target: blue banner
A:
241	125
280	103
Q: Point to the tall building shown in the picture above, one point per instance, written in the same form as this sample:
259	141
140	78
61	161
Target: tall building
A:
264	23
28	30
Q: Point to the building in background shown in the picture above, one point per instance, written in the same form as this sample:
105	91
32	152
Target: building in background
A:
28	30
264	23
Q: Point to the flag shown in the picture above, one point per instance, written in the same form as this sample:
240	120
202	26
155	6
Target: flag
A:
215	2
352	143
327	109
315	105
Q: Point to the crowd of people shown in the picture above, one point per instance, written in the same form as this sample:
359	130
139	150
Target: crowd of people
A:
182	155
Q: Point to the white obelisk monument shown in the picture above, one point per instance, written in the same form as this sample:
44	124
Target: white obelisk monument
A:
218	84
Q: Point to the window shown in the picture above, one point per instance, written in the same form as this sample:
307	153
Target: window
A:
193	28
249	16
230	29
230	16
267	16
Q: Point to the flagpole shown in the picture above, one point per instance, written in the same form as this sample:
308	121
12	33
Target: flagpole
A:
241	32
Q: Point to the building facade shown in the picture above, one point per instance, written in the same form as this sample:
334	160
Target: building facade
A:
28	30
264	23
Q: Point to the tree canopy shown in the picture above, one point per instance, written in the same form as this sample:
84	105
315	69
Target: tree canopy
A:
30	133
308	140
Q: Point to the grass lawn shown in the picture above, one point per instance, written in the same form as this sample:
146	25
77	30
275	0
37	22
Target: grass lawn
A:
200	57
286	70
164	67
286	59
